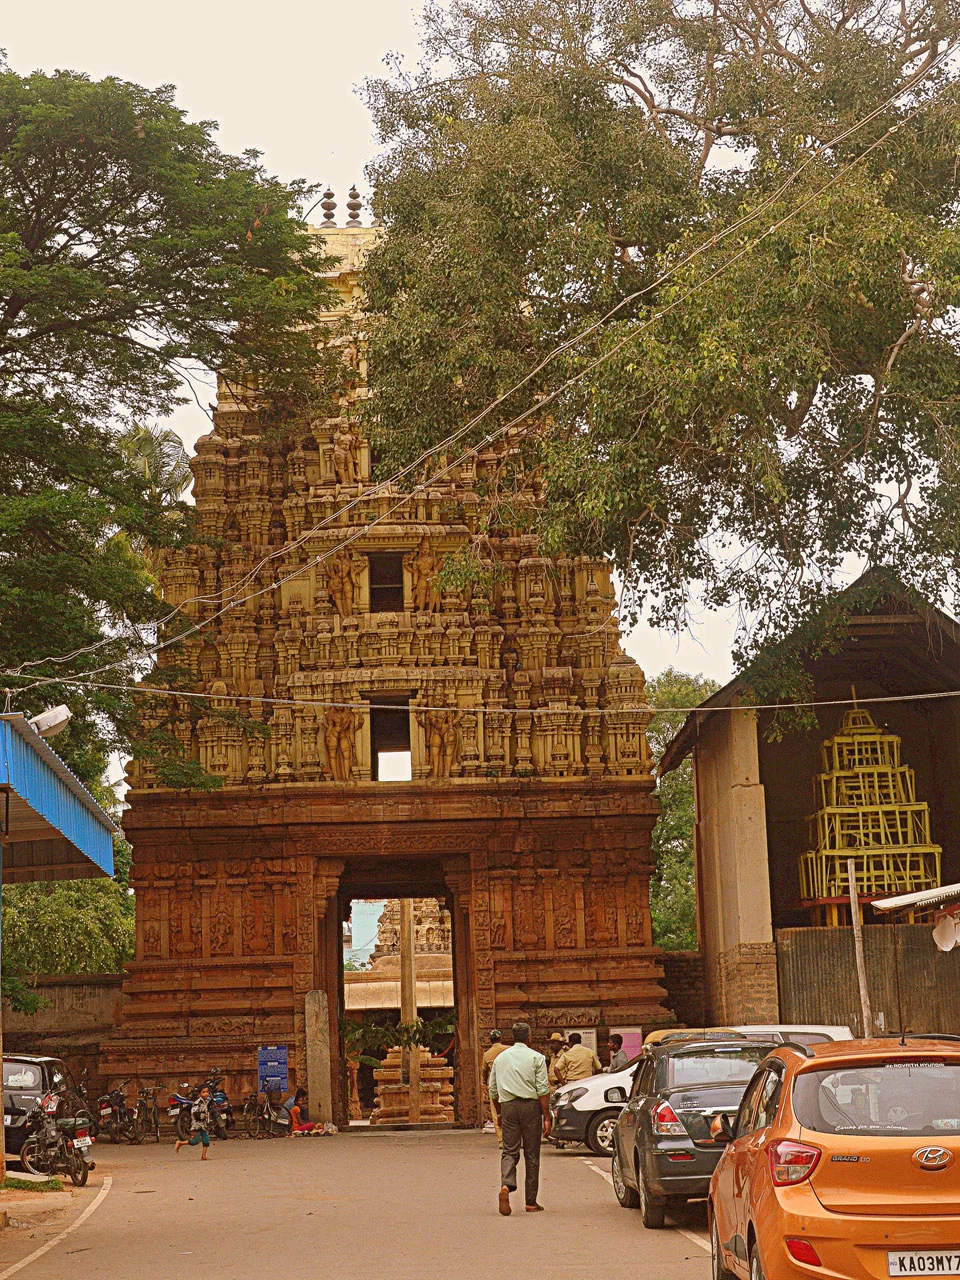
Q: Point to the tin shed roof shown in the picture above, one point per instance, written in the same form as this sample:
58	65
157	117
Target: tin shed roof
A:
52	826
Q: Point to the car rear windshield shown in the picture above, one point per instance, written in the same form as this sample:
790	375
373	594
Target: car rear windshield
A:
911	1099
21	1075
714	1065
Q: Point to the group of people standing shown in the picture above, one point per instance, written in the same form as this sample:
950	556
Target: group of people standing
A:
519	1081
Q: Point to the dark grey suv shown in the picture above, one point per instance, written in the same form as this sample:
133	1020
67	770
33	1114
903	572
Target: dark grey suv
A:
663	1148
25	1080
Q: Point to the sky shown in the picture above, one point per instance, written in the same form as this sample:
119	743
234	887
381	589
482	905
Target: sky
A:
282	79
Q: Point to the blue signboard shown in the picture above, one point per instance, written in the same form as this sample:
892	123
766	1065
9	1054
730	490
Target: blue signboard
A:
272	1068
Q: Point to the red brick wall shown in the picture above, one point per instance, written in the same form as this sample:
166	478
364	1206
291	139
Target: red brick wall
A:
684	982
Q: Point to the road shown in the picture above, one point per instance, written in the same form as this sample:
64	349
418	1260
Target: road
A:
378	1204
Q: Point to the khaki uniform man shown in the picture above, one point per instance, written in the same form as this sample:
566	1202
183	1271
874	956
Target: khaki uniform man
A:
555	1046
577	1062
489	1058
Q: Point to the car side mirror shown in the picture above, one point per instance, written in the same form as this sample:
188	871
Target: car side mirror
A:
616	1094
721	1129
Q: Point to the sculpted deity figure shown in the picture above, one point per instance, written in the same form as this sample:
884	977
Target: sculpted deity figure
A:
340	725
343	579
423	567
346	445
442	739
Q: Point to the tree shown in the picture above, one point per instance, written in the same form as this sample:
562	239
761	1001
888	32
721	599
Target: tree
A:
131	249
673	890
66	926
156	454
750	212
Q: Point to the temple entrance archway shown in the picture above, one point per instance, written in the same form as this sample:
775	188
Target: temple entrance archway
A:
398	970
371	994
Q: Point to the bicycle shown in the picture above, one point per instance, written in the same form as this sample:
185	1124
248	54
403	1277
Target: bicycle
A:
265	1119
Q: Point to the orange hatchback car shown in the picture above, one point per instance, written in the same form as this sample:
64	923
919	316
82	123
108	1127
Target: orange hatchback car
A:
843	1161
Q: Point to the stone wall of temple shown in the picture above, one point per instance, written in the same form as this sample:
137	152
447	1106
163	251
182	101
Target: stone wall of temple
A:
319	631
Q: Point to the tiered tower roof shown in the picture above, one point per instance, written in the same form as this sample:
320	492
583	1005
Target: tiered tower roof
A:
868	811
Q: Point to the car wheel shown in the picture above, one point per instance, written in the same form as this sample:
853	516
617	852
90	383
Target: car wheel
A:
600	1133
718	1270
756	1266
652	1210
627	1198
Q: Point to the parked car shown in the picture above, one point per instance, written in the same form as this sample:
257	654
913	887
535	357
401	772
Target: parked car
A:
843	1161
664	1034
663	1145
795	1032
587	1110
25	1080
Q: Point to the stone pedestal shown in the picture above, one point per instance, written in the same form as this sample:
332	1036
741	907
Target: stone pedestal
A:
427	1100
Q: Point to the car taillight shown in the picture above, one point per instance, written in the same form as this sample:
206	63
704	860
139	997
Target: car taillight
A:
792	1162
803	1251
666	1122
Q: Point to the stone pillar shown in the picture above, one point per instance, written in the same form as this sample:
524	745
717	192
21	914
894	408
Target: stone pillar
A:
319	1077
739	952
408	964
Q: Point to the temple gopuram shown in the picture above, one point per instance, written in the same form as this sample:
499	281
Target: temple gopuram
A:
326	639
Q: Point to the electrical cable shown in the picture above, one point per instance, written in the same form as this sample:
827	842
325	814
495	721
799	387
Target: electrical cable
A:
559	350
537	409
364	705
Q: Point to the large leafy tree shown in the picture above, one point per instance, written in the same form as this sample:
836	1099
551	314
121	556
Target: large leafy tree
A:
743	219
132	250
673	888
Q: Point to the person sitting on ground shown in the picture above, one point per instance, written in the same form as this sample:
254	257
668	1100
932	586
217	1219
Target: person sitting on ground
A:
297	1106
200	1121
577	1062
618	1059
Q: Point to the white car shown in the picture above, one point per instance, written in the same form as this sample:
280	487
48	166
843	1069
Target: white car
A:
587	1110
799	1033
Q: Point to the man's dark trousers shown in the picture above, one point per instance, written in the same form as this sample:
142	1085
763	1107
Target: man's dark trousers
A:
522	1121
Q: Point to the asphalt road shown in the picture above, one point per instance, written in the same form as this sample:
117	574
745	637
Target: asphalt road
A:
395	1205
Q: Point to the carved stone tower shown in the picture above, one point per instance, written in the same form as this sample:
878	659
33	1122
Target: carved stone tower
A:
324	642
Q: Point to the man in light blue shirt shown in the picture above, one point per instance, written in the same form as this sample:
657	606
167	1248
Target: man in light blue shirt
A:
521	1097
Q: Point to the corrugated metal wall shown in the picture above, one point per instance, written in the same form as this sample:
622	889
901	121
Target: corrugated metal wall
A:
818	977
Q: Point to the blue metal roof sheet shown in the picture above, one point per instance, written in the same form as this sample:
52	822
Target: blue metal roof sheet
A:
53	827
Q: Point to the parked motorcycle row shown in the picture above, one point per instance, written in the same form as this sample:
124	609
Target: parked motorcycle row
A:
52	1119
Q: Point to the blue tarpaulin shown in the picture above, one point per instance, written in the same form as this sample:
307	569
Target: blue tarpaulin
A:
52	827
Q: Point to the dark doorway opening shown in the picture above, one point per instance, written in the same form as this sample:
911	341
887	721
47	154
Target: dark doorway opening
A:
386	581
390	759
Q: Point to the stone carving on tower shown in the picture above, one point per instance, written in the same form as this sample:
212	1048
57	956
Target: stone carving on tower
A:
323	632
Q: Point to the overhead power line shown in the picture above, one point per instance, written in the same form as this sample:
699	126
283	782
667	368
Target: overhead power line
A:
233	601
810	704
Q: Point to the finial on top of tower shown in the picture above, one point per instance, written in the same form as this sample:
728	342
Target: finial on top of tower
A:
328	204
354	205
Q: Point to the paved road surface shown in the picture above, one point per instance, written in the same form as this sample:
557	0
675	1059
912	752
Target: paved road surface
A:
393	1205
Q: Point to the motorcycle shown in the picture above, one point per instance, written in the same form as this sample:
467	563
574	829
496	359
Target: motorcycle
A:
88	1108
57	1145
180	1106
117	1120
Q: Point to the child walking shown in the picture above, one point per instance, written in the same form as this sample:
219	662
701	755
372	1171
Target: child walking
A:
199	1124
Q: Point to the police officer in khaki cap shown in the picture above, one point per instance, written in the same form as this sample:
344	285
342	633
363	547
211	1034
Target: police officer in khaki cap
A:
555	1046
